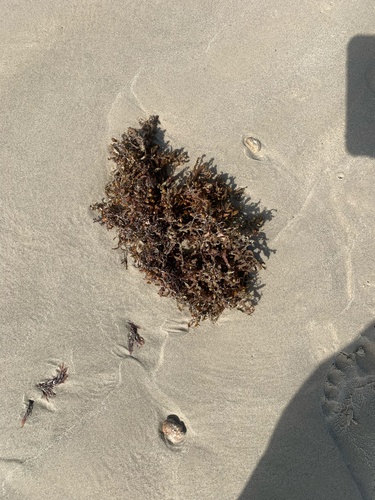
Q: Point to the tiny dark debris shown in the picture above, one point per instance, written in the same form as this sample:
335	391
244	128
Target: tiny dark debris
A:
187	231
47	387
134	337
28	412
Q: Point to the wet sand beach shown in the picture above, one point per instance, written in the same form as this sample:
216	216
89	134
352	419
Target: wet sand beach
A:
277	405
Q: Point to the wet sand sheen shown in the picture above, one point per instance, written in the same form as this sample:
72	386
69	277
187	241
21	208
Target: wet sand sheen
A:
245	388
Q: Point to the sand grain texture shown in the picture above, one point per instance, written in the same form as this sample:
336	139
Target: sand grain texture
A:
249	389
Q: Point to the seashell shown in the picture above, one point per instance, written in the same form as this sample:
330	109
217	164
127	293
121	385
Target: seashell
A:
253	144
174	430
253	148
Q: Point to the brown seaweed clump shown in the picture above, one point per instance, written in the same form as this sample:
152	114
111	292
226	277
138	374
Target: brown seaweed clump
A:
186	230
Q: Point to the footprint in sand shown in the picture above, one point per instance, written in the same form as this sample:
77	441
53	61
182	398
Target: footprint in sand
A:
349	407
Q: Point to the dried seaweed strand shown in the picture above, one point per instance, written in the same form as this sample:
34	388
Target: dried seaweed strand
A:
47	387
29	411
134	337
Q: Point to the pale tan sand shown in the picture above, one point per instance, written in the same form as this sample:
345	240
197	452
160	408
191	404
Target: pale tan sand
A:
73	74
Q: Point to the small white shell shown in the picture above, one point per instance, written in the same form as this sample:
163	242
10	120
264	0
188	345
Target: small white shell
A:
253	148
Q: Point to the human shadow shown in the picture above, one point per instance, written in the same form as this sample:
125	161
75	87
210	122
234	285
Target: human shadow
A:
322	448
360	96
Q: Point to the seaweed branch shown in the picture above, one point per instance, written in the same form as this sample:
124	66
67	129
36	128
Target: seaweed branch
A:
187	231
47	387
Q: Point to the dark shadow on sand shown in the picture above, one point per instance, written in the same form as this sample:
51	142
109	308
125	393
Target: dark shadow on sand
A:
302	461
360	96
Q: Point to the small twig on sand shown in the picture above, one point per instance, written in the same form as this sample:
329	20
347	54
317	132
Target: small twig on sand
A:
29	411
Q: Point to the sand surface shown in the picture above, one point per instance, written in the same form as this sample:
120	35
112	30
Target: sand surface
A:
298	76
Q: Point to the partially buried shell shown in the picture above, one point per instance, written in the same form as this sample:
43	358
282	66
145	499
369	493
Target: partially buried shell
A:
174	430
253	148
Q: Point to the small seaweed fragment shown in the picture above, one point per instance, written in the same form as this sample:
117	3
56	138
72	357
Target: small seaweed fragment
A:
191	232
47	387
134	337
28	412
